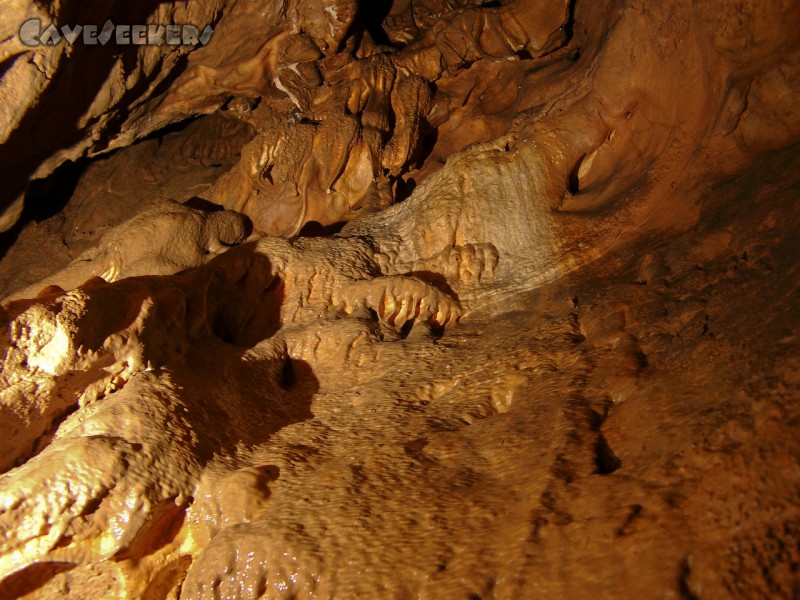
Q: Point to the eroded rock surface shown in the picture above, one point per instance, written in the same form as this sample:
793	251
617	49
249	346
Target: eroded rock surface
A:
444	300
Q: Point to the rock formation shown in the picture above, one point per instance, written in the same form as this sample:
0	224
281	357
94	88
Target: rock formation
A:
406	299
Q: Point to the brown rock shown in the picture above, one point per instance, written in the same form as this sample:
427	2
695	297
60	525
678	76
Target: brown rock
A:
429	298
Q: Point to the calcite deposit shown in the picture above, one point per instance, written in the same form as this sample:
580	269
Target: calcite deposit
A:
402	299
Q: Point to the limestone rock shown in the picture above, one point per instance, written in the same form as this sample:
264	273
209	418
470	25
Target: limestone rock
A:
421	299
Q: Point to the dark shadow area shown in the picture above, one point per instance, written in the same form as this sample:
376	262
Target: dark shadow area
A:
45	198
244	401
372	13
428	136
605	460
54	122
165	522
436	280
573	180
242	394
135	94
315	229
569	26
5	66
406	328
403	188
167	578
288	376
30	579
203	204
683	581
244	305
368	19
160	134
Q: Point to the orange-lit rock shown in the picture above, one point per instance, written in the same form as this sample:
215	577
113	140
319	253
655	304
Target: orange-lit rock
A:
501	304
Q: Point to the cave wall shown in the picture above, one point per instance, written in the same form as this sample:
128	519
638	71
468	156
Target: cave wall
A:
423	298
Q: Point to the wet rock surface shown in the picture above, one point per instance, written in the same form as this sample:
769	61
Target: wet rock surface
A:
418	299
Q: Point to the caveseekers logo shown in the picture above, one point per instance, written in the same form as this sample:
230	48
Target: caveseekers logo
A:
32	34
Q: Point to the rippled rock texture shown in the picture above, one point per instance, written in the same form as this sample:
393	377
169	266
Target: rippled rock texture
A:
411	299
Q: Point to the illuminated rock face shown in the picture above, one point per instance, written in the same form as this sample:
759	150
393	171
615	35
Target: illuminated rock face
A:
549	350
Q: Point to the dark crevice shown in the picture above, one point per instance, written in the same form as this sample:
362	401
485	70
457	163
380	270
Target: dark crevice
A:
573	180
683	581
569	26
316	229
597	418
267	174
403	188
605	460
177	127
203	204
287	377
406	328
5	66
428	136
354	35
94	504
371	14
437	331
